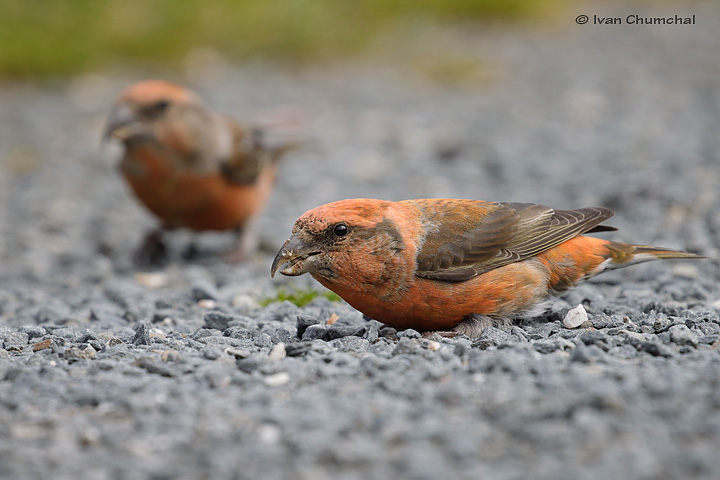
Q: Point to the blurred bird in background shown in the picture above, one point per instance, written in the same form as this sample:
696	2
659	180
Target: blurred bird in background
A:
446	264
190	166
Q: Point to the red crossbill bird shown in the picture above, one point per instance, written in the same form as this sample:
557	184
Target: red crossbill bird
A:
445	264
190	166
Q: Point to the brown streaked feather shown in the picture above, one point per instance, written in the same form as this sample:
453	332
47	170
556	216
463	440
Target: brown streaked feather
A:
251	155
475	237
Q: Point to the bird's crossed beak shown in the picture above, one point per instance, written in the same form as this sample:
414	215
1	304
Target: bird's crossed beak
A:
121	123
296	256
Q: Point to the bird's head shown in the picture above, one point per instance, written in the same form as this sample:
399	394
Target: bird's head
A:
349	237
143	106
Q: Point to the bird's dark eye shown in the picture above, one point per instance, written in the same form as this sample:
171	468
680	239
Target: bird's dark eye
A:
341	230
161	105
155	109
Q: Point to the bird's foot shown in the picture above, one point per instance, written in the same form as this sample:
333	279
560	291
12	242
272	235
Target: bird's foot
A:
152	251
191	252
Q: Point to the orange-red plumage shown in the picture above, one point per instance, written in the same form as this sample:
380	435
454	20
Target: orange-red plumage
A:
442	264
191	167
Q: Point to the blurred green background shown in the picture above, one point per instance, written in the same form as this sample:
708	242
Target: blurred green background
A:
55	37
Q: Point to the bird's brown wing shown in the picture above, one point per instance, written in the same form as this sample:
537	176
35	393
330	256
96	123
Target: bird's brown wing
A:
248	156
466	239
251	153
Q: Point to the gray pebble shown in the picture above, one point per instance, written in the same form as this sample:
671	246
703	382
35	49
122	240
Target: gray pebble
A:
406	346
315	331
596	337
153	365
709	339
388	332
75	353
142	336
304	321
491	337
350	343
409	333
656	349
339	331
682	335
551	345
251	363
542	330
211	352
33	331
602	320
298	349
220	320
282	335
203	333
13	339
371	330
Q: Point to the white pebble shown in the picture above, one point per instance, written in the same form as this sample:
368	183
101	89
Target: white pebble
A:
156	333
575	317
245	304
432	345
237	353
277	353
152	280
269	434
207	303
686	270
277	379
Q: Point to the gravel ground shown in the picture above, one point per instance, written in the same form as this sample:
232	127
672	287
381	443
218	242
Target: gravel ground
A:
111	372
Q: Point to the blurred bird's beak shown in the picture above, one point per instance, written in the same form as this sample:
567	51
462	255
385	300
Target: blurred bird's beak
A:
296	256
119	123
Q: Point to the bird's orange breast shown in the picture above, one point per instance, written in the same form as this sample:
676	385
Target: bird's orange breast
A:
434	305
197	202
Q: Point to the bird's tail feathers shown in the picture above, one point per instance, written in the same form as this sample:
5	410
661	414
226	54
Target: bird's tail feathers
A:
281	149
622	254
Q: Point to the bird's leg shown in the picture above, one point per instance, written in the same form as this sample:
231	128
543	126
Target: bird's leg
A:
246	243
191	251
152	250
